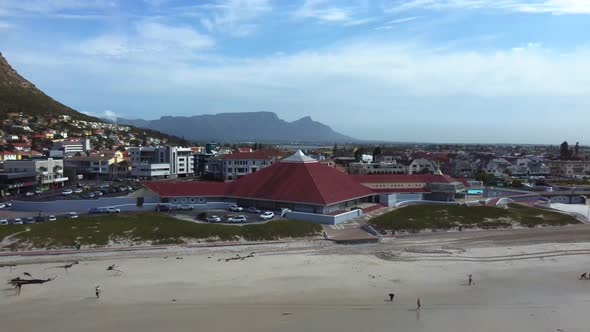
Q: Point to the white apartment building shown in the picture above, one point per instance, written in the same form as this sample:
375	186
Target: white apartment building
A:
69	148
236	165
161	162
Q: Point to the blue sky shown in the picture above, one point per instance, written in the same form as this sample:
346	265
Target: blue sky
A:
417	70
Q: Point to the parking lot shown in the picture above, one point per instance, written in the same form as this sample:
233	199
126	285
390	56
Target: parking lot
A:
200	216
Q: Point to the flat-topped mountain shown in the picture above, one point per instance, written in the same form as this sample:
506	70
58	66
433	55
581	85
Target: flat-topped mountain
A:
242	127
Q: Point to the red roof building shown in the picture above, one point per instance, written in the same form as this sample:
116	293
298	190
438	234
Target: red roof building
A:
298	183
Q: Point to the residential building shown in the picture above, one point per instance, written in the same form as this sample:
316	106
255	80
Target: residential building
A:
362	168
161	162
70	148
120	170
422	166
236	165
48	172
569	168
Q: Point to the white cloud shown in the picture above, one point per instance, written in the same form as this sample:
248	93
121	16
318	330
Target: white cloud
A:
539	6
6	25
325	11
440	88
237	17
175	36
110	115
53	6
147	40
393	23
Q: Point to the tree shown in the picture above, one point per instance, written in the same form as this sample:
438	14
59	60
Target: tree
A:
517	183
358	154
564	151
483	177
376	153
335	149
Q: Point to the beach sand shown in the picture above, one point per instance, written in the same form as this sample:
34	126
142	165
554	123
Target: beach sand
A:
308	289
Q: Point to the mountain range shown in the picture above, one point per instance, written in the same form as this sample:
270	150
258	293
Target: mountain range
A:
242	127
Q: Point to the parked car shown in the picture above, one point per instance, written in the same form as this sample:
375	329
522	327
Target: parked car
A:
67	192
72	215
51	218
78	190
253	210
122	189
112	210
267	215
2	205
8	204
3	222
38	192
30	220
29	194
98	193
39	219
95	211
17	221
89	195
164	208
130	188
213	219
185	207
236	208
237	219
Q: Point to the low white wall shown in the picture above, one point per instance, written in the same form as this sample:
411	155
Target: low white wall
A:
324	218
126	204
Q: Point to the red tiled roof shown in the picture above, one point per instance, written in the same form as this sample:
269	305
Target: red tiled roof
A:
187	189
308	183
311	183
256	155
405	178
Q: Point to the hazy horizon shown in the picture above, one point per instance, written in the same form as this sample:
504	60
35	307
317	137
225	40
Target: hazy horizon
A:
466	71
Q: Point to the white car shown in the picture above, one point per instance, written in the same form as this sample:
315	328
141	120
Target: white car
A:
78	190
253	210
2	205
213	219
51	218
236	208
72	215
267	215
67	192
112	210
18	221
3	222
29	194
237	219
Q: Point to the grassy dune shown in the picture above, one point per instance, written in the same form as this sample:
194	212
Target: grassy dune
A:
146	227
420	217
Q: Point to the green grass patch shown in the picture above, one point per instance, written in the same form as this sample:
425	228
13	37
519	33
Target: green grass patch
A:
419	217
148	227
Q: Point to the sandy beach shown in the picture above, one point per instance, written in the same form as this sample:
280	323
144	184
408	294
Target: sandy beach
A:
520	285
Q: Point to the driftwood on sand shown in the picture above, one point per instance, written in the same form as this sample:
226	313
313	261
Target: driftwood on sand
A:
65	267
18	282
237	257
113	268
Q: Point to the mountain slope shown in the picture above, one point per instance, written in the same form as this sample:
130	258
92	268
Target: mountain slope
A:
242	127
19	95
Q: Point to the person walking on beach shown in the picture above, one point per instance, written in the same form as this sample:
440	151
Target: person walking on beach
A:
418	304
97	291
325	236
391	296
470	280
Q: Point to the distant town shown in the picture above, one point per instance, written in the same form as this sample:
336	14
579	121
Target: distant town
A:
48	157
